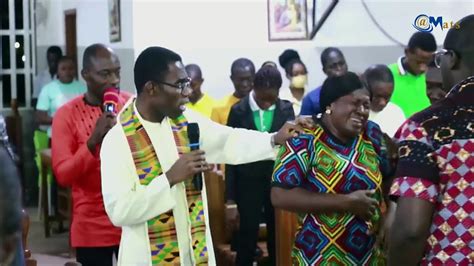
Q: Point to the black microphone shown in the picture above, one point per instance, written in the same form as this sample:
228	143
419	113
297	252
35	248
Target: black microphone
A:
193	136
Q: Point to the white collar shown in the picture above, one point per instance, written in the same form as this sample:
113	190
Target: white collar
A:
254	106
287	95
143	120
401	69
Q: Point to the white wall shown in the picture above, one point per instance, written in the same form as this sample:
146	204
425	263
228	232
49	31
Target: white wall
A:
92	27
49	23
210	33
213	33
350	25
93	23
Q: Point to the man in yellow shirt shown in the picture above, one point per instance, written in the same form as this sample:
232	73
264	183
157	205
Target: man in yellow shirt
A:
198	101
242	75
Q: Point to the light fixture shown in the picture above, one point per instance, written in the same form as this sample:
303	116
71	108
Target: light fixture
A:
17	45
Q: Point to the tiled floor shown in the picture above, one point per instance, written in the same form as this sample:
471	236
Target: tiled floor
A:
52	251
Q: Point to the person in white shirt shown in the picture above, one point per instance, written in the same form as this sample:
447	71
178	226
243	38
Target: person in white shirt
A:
379	80
53	54
147	167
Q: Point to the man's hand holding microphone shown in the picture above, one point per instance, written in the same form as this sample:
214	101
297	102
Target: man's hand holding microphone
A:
107	120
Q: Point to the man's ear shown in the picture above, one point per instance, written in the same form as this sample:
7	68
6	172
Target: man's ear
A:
407	51
324	70
452	60
85	74
150	89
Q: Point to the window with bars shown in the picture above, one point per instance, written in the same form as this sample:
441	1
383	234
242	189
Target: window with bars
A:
18	52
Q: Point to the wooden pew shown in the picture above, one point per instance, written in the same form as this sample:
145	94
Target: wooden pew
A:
286	225
215	189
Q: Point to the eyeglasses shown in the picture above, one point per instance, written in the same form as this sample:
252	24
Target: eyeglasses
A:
438	56
180	85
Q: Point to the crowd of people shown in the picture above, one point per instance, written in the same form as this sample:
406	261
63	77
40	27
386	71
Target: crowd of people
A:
378	166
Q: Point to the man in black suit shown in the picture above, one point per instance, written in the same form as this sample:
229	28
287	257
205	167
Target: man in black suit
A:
249	184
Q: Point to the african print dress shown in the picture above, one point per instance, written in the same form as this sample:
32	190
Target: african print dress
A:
318	162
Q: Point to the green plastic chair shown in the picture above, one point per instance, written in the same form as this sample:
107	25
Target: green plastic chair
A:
41	142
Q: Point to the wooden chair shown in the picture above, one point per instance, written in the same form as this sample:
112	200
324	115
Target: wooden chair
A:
41	142
64	199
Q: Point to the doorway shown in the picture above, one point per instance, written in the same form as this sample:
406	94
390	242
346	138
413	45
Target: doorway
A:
71	37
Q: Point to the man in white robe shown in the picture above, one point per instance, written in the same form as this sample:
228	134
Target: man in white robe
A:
163	86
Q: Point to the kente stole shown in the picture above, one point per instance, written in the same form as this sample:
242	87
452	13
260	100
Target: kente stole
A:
161	229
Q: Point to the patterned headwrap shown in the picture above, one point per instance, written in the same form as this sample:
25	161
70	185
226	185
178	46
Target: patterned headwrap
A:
336	87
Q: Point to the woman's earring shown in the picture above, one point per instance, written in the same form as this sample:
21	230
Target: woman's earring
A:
328	111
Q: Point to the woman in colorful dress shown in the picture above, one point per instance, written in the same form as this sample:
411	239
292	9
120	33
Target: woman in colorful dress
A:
332	177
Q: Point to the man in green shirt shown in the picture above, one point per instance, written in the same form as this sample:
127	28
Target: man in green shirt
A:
409	74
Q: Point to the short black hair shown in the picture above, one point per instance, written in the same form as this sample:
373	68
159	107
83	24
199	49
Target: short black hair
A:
326	52
10	195
241	63
269	63
423	40
334	88
65	58
377	73
89	53
54	50
267	77
461	40
152	64
193	68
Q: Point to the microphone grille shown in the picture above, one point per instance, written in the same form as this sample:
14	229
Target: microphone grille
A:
111	95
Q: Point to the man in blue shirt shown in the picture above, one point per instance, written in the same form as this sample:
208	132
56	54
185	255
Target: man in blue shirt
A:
334	65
